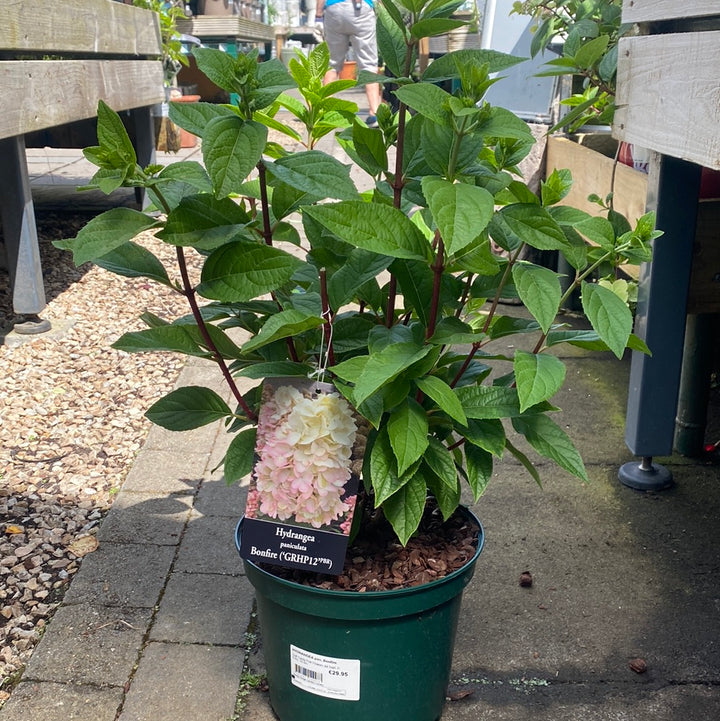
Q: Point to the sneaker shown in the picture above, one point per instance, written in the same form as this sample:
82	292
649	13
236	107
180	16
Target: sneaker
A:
371	121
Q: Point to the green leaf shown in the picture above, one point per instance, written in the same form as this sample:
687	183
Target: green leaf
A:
527	223
241	271
448	66
133	261
231	149
434	26
540	291
218	66
405	508
489	401
529	467
113	137
240	456
460	211
187	408
440	459
391	38
408	432
383	469
479	467
447	498
177	181
608	315
360	267
429	100
106	232
443	396
488	434
379	228
194	117
315	173
284	324
551	441
538	376
598	230
591	51
274	369
380	367
174	338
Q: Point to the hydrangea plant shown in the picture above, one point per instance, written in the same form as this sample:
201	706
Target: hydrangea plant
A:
393	292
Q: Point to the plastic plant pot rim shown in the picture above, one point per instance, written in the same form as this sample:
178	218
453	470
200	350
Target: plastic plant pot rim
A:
378	595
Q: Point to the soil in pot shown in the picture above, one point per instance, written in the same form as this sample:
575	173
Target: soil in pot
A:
376	561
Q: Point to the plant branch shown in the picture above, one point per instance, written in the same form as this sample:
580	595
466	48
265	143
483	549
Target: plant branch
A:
217	357
327	317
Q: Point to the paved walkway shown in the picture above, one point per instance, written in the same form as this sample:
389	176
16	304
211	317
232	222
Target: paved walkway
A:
158	625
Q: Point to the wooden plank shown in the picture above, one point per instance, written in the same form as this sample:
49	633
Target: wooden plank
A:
704	295
44	93
638	11
231	26
592	172
78	26
668	95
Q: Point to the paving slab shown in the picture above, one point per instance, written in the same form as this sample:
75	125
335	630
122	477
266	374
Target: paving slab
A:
209	547
167	472
126	575
184	682
204	608
40	701
105	642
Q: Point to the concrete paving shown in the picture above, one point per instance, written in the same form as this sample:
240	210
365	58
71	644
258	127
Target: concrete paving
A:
159	623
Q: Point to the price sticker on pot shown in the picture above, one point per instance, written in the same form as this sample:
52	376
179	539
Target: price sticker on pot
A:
337	678
303	488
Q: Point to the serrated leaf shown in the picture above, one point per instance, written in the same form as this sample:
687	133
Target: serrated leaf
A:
538	377
231	149
174	338
488	434
461	211
241	271
360	267
274	369
447	66
378	228
408	432
315	173
187	408
479	467
440	460
133	261
384	475
489	401
551	441
444	397
106	232
608	315
540	291
240	456
284	324
404	509
194	117
427	99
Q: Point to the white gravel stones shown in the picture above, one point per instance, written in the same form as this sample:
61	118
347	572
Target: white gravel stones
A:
71	423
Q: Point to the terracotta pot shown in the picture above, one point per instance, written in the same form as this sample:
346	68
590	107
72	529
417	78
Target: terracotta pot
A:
349	70
187	140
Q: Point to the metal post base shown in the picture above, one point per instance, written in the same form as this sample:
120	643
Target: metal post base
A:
645	476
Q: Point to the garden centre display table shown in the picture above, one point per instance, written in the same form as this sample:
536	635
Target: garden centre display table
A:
668	100
58	61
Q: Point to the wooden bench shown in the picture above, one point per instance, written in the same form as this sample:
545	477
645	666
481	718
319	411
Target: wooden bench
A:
667	100
57	60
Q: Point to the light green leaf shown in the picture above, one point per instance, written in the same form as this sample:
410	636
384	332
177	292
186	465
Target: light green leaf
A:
540	291
284	324
241	271
379	228
538	377
231	149
479	467
408	432
404	509
551	441
104	233
188	407
443	396
274	369
440	460
461	211
134	261
489	401
240	456
315	173
175	338
608	315
383	469
427	99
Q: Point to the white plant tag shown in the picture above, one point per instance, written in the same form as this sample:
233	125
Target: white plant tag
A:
337	678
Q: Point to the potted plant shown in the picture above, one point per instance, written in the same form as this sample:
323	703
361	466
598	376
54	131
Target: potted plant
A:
394	295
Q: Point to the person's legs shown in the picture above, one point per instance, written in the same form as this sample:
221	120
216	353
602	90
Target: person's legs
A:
336	37
364	42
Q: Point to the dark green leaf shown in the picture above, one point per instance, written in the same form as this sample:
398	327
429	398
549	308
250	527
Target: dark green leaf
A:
187	408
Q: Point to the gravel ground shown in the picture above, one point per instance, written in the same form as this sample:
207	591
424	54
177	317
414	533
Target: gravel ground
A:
71	423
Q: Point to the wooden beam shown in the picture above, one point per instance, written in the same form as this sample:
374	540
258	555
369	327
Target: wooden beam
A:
78	26
43	93
638	11
230	26
668	95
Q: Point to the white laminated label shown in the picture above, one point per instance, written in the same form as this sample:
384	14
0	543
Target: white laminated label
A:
337	678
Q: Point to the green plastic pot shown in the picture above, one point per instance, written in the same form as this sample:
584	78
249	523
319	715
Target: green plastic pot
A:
359	656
